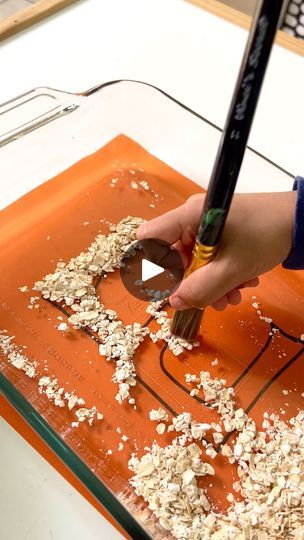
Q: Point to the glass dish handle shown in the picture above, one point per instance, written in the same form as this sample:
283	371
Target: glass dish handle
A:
32	110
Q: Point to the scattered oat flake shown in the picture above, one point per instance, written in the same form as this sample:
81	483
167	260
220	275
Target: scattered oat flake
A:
230	497
144	184
161	428
63	327
158	414
15	355
218	437
134	185
189	377
23	289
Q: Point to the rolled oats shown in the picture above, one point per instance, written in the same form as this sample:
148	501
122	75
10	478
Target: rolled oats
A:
72	283
158	415
270	470
15	355
63	327
180	502
161	428
271	483
46	385
23	289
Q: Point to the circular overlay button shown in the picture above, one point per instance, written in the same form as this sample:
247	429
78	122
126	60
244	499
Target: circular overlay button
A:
151	269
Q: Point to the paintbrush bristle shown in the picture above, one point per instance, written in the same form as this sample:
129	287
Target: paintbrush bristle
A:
186	323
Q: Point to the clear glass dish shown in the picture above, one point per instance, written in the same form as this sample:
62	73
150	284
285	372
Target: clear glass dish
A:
43	133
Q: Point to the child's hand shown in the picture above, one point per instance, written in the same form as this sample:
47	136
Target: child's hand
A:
257	237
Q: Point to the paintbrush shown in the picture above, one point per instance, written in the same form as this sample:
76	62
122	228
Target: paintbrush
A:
231	152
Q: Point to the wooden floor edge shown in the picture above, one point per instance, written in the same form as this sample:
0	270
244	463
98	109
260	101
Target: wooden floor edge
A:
30	15
241	19
44	8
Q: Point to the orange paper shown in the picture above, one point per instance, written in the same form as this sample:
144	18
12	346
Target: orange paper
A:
59	220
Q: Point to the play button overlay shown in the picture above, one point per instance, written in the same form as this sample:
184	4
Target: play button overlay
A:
151	270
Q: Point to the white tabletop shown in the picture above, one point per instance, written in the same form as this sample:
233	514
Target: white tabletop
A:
195	57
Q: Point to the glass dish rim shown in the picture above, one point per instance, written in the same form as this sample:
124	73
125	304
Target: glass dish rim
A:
100	87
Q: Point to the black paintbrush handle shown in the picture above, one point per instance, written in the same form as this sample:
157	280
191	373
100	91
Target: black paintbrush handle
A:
235	135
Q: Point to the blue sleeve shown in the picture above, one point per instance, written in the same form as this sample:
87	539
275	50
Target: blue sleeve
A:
295	259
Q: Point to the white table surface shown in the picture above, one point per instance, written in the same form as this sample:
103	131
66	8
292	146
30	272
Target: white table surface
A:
195	57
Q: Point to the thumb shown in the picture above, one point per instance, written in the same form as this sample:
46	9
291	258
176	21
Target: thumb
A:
205	286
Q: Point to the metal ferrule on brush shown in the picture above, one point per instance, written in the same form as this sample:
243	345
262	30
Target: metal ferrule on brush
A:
201	255
186	323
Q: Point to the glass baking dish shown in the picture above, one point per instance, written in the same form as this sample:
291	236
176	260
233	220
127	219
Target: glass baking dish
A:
45	132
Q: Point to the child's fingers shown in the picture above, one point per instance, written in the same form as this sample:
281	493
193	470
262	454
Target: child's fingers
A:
167	227
234	297
220	304
205	286
250	283
178	224
184	252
